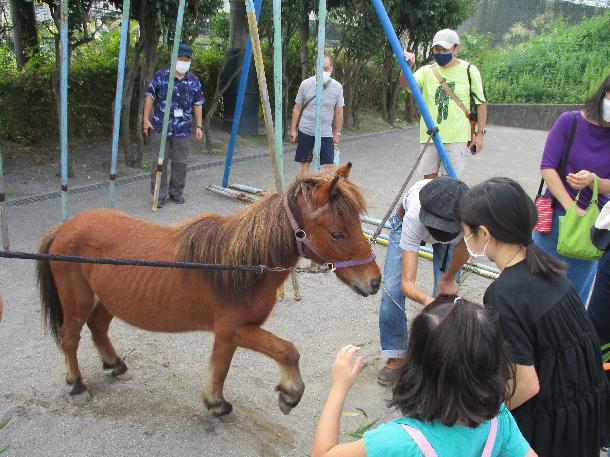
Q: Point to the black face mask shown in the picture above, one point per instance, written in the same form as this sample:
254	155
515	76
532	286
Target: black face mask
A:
441	235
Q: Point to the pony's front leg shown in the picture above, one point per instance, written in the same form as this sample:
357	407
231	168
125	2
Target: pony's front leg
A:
222	354
285	353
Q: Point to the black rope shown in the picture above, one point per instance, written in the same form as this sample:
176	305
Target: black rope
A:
260	269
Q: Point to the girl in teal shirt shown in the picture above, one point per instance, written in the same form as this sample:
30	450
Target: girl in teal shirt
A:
451	391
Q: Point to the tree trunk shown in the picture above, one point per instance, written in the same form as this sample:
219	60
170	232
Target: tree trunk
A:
238	32
303	39
25	35
389	87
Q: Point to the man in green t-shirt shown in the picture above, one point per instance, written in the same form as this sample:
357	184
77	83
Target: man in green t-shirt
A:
464	80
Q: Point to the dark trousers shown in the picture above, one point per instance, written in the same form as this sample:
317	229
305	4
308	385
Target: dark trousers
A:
176	151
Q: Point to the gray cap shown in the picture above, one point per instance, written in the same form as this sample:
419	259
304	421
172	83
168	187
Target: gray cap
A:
446	38
439	200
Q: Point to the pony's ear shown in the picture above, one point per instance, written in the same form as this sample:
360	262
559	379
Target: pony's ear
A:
345	170
326	191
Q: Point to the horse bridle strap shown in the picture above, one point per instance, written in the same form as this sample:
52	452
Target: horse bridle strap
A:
301	239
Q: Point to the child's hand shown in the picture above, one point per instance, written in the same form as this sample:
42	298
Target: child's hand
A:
345	370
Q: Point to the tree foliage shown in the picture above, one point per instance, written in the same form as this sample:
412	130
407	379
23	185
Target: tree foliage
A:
560	64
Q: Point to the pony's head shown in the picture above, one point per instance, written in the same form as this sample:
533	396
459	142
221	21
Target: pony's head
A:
327	208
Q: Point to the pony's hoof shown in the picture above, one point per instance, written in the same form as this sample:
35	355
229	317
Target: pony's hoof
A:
287	400
119	371
125	376
79	393
221	408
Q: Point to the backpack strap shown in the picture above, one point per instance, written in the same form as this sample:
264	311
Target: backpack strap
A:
563	164
472	94
447	89
491	438
422	443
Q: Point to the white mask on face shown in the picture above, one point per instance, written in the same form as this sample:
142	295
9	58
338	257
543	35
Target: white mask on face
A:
606	110
182	67
473	254
326	76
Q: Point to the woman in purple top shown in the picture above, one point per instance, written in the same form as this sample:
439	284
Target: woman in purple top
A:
589	156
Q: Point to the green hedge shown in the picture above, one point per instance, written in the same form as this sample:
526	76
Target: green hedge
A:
28	112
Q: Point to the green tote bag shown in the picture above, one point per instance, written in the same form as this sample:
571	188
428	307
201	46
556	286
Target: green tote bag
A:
574	231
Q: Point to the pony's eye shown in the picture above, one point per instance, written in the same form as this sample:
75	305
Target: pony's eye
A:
337	236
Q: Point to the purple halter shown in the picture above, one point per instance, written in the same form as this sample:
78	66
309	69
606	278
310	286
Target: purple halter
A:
301	238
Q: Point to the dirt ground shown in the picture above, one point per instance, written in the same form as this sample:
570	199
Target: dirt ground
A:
159	411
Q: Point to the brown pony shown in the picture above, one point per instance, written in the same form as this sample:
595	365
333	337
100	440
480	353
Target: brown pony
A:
232	304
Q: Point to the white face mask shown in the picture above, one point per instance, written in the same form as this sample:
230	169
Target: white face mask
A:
326	76
473	254
182	67
606	110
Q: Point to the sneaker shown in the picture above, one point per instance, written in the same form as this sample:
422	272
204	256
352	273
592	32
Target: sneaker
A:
389	373
177	199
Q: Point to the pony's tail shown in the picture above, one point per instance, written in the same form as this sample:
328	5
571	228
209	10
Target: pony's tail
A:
53	316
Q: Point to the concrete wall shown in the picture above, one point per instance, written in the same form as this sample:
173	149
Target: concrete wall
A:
534	116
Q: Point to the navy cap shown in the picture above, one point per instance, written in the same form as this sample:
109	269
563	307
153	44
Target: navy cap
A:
185	50
440	199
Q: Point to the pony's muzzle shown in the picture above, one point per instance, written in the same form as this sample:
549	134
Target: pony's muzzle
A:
365	290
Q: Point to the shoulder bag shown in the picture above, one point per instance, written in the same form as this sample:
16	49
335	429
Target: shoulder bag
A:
574	231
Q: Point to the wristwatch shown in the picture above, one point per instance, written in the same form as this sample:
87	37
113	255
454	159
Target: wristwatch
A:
483	131
199	127
338	133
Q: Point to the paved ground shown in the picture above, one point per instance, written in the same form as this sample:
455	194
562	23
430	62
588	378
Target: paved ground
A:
159	412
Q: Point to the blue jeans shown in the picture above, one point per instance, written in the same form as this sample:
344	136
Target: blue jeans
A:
599	305
392	319
581	273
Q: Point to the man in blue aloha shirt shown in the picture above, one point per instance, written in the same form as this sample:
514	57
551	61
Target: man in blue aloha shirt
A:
187	101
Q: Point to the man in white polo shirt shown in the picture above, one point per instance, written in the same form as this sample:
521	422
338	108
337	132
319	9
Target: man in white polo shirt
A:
430	209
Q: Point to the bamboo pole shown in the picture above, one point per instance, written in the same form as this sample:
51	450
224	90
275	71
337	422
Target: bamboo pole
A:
262	84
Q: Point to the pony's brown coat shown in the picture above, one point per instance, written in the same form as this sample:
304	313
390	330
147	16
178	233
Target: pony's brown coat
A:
232	304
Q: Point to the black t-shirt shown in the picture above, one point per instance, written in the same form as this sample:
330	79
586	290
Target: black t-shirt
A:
546	325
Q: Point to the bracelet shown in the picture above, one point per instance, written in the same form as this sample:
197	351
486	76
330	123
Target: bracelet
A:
199	127
338	133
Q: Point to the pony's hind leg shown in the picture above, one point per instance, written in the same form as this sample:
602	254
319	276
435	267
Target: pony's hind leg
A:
99	323
70	337
222	354
77	302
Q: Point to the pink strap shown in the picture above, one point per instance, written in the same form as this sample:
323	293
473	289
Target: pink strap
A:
422	443
491	438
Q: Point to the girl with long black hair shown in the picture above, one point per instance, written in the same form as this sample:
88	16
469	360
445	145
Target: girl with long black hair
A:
561	396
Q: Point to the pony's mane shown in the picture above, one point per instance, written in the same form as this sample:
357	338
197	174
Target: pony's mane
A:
260	234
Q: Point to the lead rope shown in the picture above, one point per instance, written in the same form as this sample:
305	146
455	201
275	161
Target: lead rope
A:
431	133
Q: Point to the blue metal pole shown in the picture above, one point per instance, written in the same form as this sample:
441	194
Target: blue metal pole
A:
277	82
398	52
315	164
3	226
63	107
241	91
168	102
118	98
